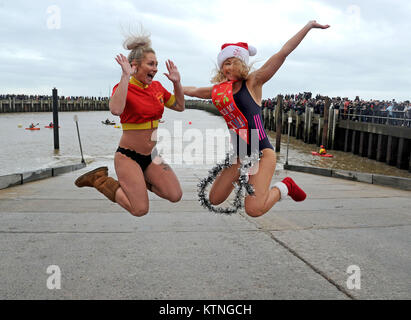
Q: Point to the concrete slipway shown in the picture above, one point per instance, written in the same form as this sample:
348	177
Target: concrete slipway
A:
180	251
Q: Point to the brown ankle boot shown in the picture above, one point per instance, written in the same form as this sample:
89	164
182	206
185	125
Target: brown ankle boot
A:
88	179
107	186
99	179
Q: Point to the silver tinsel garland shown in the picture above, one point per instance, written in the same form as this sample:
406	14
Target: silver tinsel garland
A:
241	186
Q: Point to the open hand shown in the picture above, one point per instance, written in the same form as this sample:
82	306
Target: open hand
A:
173	75
125	65
314	24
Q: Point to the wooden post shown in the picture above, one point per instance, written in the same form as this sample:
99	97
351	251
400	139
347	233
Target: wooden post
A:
388	158
371	143
361	147
56	120
265	113
320	126
400	154
354	142
333	128
378	156
380	148
278	122
347	132
284	119
409	164
292	115
305	130
270	120
325	129
297	126
309	125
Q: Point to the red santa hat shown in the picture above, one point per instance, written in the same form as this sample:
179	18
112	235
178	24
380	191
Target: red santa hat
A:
239	50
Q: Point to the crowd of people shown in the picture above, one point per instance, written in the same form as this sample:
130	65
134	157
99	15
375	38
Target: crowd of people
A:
375	111
45	97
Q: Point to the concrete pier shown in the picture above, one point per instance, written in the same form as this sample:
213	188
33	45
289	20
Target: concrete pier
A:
180	251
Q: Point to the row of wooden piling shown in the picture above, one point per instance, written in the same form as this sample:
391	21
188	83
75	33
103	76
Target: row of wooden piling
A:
381	142
46	105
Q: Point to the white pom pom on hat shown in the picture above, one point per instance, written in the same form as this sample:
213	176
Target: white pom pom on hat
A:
239	50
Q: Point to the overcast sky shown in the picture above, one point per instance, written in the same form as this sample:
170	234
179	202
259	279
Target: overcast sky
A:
71	45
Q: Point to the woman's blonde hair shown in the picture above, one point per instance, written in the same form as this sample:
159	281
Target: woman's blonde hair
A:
244	71
139	44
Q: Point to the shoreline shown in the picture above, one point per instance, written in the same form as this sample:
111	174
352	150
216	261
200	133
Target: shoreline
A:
16	179
371	178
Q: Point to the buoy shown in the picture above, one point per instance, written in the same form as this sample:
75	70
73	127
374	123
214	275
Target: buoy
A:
19	126
189	122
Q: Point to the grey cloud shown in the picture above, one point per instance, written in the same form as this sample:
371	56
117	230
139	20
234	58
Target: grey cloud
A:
79	57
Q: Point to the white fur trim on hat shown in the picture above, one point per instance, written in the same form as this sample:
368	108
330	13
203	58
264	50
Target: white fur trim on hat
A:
239	50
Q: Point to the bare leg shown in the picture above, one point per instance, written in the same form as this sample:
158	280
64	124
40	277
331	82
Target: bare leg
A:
223	184
264	198
164	182
132	195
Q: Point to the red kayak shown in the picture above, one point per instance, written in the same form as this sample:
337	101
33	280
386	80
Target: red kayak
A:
32	128
321	155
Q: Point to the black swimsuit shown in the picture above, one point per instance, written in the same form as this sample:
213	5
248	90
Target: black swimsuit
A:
143	160
258	139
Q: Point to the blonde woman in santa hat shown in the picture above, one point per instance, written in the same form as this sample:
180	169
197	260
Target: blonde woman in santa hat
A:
237	94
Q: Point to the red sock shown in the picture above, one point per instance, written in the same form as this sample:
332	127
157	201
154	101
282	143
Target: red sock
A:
294	191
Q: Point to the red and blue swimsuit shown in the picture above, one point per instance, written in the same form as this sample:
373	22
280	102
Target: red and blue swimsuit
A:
243	117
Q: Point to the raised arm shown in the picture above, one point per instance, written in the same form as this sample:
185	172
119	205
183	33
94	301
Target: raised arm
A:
174	76
118	100
202	93
267	71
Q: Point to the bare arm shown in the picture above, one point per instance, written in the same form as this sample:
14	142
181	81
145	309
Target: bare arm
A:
174	76
267	71
202	93
118	100
179	104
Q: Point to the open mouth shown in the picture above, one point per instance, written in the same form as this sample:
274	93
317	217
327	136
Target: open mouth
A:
150	76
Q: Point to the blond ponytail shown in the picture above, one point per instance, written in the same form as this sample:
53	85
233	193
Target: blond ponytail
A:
139	44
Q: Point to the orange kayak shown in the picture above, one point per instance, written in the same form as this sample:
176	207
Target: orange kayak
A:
322	155
32	128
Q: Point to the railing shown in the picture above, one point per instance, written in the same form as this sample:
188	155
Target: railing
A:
400	118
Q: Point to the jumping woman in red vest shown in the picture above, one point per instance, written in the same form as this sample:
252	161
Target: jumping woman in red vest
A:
139	101
237	94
